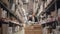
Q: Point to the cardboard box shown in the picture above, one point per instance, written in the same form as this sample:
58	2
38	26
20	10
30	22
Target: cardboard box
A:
54	13
9	30
4	14
35	29
4	28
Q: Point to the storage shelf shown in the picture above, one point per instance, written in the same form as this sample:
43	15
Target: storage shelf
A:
8	10
14	22
49	6
6	21
49	23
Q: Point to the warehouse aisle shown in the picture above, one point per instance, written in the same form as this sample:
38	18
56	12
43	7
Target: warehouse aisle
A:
21	32
29	16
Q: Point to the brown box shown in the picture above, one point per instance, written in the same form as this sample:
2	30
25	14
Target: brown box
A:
4	28
35	29
54	13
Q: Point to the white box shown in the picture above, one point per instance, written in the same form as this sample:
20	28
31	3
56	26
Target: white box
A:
4	14
10	30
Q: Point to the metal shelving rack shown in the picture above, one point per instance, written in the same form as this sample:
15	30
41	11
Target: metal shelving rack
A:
7	23
10	11
50	6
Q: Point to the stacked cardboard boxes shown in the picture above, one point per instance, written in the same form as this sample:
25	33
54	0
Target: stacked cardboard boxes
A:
35	29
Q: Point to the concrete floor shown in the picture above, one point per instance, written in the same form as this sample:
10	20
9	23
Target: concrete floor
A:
20	32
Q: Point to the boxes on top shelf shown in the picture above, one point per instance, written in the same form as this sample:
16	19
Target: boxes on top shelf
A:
54	13
47	3
4	14
13	7
25	1
16	2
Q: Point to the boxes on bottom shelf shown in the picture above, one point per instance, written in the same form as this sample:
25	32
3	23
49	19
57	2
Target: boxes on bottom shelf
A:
5	28
49	1
10	30
35	29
